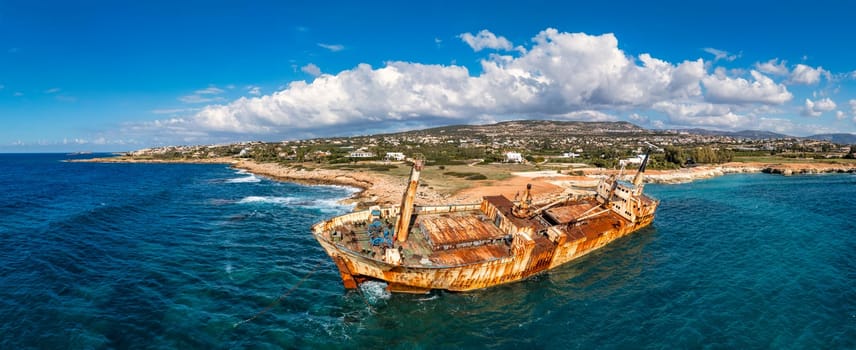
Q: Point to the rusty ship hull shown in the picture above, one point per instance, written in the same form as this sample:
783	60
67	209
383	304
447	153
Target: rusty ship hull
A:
416	249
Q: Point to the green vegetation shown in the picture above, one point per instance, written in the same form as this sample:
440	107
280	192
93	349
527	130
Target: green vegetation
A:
456	149
784	160
369	167
697	155
466	175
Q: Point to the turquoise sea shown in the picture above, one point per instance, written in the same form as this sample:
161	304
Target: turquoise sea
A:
175	256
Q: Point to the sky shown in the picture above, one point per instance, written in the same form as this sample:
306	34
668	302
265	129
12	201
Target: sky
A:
119	76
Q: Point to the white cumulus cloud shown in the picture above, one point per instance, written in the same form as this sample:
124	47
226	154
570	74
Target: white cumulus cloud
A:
773	67
637	118
803	74
564	75
725	89
486	40
816	108
311	69
559	75
700	114
588	115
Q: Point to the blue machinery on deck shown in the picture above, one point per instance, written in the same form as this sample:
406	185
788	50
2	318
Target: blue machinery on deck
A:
379	234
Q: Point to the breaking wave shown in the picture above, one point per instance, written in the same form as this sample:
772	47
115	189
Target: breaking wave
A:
266	200
245	179
325	205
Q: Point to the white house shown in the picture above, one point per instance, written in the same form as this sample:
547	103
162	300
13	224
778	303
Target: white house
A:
513	157
361	154
394	156
570	155
634	160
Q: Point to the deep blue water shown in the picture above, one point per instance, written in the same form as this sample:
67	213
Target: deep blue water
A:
173	256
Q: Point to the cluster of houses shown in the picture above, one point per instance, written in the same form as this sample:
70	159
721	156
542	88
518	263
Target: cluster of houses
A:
509	142
510	157
363	153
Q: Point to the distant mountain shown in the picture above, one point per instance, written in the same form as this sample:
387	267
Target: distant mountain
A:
842	139
759	134
746	134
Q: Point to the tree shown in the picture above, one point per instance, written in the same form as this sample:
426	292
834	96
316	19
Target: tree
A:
675	155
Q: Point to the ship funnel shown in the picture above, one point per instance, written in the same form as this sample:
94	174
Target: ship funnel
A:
637	180
407	202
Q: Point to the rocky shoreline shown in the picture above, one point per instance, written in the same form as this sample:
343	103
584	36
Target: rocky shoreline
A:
374	188
127	159
808	171
698	173
381	189
705	172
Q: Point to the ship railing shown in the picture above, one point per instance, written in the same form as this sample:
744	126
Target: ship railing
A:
347	219
439	209
366	214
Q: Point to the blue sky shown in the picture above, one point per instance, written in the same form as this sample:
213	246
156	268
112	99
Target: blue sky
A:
113	76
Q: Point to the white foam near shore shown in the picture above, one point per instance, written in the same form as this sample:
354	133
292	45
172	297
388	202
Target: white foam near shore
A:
245	179
325	205
350	189
266	199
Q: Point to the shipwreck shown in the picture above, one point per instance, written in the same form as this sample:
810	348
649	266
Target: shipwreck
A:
462	247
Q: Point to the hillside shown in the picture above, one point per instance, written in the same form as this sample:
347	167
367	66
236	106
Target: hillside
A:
842	139
530	128
745	134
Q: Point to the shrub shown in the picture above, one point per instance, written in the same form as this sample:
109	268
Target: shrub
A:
467	176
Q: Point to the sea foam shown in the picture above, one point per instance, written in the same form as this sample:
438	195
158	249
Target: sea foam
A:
325	205
374	291
245	179
266	200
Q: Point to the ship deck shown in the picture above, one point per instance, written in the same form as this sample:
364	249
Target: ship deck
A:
469	236
447	239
